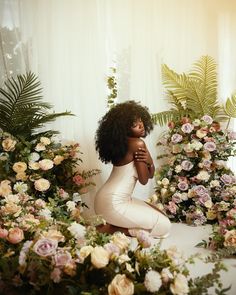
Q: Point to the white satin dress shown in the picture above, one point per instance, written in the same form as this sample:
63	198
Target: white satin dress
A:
114	203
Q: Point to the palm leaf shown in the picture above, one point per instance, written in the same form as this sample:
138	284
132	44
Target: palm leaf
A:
22	111
178	83
163	118
230	106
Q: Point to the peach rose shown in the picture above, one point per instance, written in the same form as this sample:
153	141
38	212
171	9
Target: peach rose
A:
21	176
11	208
99	257
201	133
54	235
58	159
8	144
15	235
19	167
121	285
5	188
40	147
230	238
41	184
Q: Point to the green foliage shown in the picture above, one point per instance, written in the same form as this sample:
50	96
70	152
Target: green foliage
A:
194	94
22	111
112	86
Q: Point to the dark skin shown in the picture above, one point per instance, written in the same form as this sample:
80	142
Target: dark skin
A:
137	152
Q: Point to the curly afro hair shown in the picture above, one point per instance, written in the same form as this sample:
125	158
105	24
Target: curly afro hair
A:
111	139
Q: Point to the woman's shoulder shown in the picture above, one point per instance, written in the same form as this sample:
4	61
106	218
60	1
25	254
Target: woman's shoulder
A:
136	143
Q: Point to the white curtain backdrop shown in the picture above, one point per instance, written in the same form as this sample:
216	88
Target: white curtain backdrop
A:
71	44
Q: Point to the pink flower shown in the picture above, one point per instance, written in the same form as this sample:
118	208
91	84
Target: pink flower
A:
56	275
144	238
45	247
172	207
210	146
187	128
185	120
187	165
62	258
3	233
171	124
207	119
175	138
200	190
78	179
183	186
15	235
226	179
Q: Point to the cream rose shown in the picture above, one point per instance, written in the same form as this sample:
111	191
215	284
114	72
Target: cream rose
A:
45	140
21	176
54	235
34	165
121	240
230	238
5	188
180	285
46	164
84	252
41	184
40	147
201	133
19	167
99	257
15	235
121	285
8	144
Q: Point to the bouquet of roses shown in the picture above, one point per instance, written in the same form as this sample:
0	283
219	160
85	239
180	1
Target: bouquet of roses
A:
195	185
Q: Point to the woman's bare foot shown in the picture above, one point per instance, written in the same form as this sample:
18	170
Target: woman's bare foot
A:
111	229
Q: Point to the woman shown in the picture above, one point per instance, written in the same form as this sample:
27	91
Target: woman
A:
118	140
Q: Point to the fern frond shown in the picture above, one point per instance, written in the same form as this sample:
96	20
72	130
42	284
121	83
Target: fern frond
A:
230	106
22	111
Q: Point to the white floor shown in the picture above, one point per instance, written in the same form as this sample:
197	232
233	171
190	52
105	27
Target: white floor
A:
185	238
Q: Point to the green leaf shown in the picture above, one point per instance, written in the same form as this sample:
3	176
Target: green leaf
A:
230	106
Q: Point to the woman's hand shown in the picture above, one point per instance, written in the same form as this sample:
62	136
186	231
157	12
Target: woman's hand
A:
143	155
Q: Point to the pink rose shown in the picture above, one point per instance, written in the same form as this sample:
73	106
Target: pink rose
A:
15	235
171	124
45	247
62	258
78	179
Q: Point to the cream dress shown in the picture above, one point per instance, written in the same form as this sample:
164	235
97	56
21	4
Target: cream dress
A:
115	204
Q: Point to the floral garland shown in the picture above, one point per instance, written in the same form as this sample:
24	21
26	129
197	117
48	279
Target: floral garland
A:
195	185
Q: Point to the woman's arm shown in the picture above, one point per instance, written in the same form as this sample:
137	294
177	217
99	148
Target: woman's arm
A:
143	155
142	159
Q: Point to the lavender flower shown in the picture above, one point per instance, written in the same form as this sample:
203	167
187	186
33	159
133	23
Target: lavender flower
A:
183	186
226	179
187	165
210	146
175	138
208	119
187	128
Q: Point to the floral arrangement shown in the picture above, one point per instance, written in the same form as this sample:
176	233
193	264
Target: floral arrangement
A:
223	237
62	259
195	185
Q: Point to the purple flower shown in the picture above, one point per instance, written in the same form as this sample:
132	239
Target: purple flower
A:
232	135
187	128
175	138
204	198
210	146
206	163
187	165
183	186
200	190
208	119
45	247
226	179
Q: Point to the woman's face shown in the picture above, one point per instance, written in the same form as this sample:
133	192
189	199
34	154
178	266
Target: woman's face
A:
137	129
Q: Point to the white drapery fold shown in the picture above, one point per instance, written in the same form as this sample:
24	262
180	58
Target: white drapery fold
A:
70	45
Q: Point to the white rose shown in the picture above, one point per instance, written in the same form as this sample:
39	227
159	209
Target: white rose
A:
121	285
214	183
84	252
40	147
99	257
178	168
34	165
180	285
77	230
70	205
46	164
41	184
33	157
